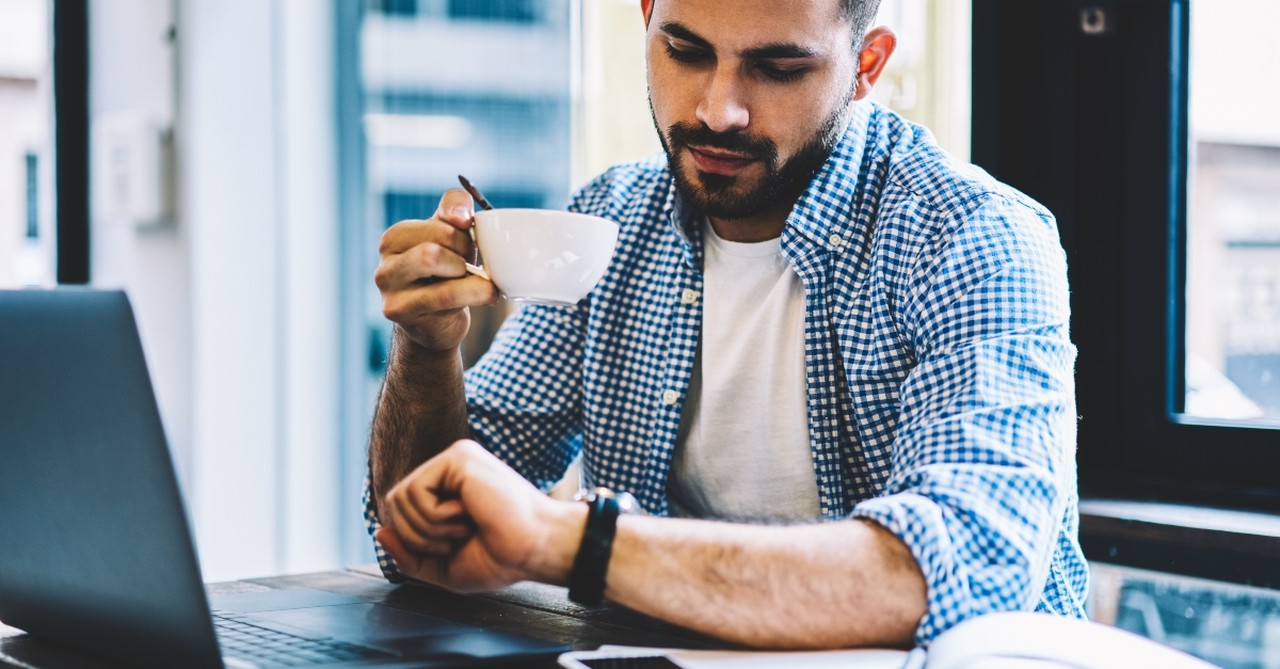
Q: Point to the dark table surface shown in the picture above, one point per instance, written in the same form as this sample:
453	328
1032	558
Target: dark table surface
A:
532	609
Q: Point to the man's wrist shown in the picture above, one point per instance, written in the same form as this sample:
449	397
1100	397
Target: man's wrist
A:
564	525
407	350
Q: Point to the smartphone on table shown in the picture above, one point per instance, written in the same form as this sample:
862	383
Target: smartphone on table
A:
606	659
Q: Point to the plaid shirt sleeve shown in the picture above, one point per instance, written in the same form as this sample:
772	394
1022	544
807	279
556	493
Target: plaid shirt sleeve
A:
372	525
983	469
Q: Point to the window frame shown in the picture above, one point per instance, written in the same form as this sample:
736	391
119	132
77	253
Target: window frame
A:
71	139
1094	126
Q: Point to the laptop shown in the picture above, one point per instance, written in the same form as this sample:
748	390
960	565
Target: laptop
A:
96	553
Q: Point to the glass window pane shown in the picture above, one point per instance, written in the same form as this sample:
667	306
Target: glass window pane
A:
26	147
482	89
1233	212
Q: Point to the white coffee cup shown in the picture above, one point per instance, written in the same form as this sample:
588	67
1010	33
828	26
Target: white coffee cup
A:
543	256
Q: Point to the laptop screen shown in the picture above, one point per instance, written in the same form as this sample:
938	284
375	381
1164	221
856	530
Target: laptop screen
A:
95	549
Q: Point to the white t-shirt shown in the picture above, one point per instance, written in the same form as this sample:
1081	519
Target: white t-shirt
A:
743	448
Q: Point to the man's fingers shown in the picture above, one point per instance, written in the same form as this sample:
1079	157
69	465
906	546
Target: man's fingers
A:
446	511
424	520
409	233
456	208
429	565
428	260
453	533
412	532
407	305
408	517
406	562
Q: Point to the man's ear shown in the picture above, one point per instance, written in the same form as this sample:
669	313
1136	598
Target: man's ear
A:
877	46
646	8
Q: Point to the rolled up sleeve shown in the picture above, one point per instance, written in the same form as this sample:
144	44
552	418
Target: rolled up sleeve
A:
983	477
372	525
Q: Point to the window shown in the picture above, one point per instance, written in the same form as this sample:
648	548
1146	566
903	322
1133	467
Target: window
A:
1232	366
1143	125
26	143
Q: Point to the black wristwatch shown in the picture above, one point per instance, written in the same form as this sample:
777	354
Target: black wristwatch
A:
586	581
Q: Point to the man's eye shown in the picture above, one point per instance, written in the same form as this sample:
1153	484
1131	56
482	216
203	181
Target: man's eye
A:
782	74
686	55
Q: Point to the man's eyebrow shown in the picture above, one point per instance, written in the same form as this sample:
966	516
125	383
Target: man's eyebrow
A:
680	32
780	50
763	52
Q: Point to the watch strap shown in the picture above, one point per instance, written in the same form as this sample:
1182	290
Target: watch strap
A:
587	579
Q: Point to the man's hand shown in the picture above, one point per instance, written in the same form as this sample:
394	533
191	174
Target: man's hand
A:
425	287
465	521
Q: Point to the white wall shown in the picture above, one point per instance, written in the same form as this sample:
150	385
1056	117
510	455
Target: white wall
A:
237	296
131	75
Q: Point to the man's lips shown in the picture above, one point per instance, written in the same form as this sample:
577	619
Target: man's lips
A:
717	161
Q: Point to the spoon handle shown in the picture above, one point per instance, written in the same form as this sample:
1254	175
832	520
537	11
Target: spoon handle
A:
484	204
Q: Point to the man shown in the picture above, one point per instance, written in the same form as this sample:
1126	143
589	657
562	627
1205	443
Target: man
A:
813	314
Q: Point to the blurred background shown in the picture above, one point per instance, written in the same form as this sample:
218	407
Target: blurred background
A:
244	156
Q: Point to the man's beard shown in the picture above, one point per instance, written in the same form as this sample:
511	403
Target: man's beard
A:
721	195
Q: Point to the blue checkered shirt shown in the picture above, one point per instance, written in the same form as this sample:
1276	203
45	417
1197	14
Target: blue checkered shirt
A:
939	368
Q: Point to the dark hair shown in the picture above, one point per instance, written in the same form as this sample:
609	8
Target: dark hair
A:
861	13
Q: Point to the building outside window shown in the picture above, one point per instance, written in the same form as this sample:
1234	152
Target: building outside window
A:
26	147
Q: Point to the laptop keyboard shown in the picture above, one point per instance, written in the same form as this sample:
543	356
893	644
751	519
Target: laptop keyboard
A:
265	647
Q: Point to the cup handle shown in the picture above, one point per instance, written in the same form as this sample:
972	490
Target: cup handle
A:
473	268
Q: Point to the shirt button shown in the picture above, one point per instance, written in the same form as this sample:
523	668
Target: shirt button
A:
836	241
689	296
670	397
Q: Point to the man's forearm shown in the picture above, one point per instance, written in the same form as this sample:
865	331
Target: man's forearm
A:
421	410
828	585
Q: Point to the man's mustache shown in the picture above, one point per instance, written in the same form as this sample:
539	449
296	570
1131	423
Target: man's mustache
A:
688	134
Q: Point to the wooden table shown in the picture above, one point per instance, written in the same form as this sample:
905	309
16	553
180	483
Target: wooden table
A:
532	609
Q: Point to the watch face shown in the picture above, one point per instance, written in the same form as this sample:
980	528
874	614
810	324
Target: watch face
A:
590	494
627	503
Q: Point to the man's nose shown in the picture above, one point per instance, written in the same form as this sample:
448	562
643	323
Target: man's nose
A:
723	108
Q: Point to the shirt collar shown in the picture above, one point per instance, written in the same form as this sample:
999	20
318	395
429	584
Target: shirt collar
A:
829	207
686	221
